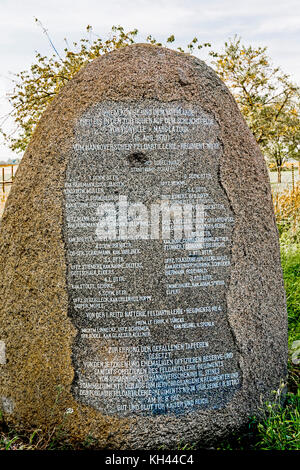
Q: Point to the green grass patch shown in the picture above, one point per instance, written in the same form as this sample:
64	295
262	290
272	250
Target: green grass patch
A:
280	428
290	260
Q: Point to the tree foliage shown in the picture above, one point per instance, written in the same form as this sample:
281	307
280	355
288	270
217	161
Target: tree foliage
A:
35	88
267	98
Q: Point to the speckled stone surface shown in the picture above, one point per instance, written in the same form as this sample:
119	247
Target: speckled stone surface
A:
42	353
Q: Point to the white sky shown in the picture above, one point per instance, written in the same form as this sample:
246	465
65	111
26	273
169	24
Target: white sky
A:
271	23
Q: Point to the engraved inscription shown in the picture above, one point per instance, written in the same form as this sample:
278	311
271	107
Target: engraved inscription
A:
148	232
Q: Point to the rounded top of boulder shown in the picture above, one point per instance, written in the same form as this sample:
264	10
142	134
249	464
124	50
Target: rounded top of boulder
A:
141	71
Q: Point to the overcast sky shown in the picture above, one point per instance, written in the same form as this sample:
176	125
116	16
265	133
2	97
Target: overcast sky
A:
271	23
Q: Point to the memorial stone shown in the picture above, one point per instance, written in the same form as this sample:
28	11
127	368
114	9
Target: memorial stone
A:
142	300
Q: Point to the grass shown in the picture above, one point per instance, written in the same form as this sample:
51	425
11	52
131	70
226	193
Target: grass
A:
280	429
290	258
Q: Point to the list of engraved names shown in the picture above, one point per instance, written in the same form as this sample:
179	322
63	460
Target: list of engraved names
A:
147	290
